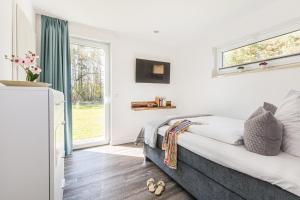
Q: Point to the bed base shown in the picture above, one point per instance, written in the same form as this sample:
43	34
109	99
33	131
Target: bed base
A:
207	180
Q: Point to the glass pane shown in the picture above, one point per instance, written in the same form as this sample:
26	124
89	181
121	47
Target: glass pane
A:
87	93
281	46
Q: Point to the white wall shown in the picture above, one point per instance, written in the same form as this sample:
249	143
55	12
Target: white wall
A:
126	123
7	45
5	39
25	37
26	6
234	96
192	87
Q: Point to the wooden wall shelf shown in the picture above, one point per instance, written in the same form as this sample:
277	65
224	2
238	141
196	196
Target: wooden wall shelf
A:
153	108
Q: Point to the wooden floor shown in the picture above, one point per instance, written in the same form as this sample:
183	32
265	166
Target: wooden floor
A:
114	173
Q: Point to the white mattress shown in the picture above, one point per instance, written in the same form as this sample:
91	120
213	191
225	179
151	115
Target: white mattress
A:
282	170
223	129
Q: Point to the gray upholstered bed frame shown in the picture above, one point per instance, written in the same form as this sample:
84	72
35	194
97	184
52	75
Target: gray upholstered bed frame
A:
207	180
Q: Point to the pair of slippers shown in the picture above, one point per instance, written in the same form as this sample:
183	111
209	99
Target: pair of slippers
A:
158	188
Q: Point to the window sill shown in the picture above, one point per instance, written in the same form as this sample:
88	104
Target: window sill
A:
217	74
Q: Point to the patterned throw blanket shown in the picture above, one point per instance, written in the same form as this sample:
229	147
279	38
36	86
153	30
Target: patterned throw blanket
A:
170	142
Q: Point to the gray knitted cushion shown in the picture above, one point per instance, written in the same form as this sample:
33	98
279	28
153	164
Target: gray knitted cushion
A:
267	107
263	133
270	107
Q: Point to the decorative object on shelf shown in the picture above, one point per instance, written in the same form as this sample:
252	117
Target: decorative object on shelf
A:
263	65
160	101
163	102
169	103
157	100
28	64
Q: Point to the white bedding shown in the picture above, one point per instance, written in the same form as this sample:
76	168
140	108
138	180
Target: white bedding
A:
223	129
282	170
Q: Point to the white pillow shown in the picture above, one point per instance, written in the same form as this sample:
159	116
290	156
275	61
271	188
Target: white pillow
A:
289	114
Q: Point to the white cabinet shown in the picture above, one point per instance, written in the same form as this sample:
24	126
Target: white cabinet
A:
31	144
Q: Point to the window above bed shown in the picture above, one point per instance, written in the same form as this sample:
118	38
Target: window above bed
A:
264	51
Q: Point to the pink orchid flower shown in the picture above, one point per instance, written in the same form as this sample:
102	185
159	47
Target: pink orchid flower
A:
36	70
28	61
28	64
19	61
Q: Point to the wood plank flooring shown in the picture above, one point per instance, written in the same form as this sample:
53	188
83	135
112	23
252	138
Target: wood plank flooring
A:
115	173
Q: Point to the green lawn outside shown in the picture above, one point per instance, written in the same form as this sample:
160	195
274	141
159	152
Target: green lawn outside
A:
88	121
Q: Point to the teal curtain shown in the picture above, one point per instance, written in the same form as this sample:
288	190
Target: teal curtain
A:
55	62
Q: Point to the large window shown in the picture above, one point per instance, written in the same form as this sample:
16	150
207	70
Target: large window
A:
266	52
89	61
274	48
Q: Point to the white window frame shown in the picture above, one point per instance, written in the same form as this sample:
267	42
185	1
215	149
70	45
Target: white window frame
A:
284	62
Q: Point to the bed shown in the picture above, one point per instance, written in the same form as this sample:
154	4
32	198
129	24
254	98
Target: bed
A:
213	170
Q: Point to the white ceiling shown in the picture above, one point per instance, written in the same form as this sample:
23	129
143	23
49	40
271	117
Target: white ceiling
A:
177	20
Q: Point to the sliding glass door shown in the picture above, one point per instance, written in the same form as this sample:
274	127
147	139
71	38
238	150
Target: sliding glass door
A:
90	89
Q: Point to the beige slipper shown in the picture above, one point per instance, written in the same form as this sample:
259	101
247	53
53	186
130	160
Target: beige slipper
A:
151	185
160	188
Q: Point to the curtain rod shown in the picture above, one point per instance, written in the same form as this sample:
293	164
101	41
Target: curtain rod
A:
50	15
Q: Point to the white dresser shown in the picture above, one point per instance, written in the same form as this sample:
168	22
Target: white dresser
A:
31	144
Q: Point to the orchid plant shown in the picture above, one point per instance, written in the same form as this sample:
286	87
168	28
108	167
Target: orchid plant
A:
28	64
